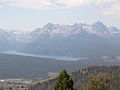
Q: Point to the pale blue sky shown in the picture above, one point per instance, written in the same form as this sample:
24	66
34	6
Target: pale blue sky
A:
27	15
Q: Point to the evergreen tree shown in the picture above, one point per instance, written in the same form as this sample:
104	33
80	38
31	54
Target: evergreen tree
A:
64	82
10	88
100	81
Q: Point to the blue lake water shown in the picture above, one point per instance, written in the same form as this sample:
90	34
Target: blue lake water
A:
66	58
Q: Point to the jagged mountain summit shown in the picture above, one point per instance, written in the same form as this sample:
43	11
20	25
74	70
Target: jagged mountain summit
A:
73	40
55	30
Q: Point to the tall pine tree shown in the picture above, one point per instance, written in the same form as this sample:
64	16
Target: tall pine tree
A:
64	82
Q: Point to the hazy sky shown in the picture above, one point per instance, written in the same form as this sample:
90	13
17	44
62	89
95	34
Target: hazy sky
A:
31	14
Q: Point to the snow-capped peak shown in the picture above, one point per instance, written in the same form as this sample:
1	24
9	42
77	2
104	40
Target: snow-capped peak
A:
97	28
50	26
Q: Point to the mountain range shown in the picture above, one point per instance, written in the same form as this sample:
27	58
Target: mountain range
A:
77	40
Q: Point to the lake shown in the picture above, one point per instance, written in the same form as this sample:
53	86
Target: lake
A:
66	58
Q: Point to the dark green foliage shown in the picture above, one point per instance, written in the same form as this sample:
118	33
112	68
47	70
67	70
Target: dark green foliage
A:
64	82
100	81
10	88
81	78
22	86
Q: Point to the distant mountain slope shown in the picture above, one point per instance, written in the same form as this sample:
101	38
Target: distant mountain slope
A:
81	78
6	40
11	39
73	40
18	35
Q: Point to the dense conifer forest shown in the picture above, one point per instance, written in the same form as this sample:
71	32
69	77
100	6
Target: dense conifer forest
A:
83	78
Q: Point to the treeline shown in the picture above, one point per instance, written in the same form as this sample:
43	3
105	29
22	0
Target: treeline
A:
101	77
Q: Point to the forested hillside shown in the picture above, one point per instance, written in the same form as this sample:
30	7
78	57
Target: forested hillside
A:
81	78
17	66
